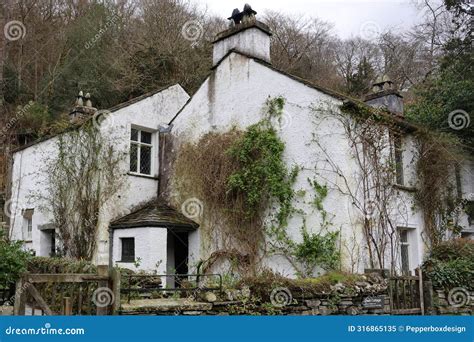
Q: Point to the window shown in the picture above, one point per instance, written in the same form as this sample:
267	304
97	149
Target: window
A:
404	251
140	152
28	224
128	249
398	155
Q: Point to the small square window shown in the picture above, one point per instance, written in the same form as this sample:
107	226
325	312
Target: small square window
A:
128	249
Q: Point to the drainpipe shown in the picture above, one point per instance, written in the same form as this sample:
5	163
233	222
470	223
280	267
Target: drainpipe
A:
111	247
163	130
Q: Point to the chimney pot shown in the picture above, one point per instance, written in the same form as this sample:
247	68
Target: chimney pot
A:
246	35
384	95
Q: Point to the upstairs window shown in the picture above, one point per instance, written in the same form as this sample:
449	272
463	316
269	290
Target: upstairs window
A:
141	152
398	156
128	249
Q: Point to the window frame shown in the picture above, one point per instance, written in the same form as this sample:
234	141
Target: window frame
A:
28	224
398	159
127	258
139	144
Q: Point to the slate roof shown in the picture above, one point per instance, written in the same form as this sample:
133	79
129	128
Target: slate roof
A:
155	214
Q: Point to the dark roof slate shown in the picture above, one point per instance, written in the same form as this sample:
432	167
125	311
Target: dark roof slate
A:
155	214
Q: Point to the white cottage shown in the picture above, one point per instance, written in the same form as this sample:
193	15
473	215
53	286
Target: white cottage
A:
140	225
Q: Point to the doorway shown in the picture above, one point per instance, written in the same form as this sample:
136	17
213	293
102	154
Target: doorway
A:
178	251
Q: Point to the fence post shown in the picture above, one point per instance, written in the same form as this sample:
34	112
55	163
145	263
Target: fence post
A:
20	297
67	308
428	297
103	270
115	279
420	286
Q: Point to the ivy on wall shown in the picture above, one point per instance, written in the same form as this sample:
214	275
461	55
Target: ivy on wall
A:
237	187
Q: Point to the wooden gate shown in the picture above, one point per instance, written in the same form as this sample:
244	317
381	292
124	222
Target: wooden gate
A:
406	294
66	294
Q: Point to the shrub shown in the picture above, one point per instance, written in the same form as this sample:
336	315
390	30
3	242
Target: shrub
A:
451	264
59	265
13	260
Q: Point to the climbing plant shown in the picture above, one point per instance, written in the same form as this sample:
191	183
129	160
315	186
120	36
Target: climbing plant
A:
317	248
237	174
81	177
438	157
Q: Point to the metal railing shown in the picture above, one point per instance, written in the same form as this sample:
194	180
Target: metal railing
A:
149	283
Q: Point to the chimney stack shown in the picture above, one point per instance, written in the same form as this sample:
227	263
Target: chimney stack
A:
246	35
82	108
384	95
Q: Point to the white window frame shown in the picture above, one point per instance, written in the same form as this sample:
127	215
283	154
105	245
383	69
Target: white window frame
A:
138	143
27	229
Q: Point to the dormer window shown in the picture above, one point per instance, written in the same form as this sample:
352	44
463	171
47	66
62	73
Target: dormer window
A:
141	149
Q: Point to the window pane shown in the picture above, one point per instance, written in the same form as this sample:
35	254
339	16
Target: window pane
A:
133	158
128	249
134	135
405	261
146	137
404	236
398	160
145	160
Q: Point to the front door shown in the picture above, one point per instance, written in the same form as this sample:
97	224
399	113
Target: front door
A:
181	251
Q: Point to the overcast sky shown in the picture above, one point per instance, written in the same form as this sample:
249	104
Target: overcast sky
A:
348	16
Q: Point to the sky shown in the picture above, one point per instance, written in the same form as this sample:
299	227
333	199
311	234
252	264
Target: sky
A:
350	17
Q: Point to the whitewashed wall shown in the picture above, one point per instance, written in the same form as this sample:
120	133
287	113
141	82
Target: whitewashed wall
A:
28	177
150	249
234	96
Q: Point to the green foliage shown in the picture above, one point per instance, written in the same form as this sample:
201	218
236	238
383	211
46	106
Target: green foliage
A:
452	273
93	37
451	264
318	250
262	174
321	192
13	260
450	88
59	265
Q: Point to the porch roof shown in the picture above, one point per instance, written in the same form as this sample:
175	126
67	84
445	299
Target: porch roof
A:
155	214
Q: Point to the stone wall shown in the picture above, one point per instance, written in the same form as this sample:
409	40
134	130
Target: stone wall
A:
457	301
318	305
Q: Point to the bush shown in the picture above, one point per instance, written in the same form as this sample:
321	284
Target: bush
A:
59	265
453	249
451	264
13	260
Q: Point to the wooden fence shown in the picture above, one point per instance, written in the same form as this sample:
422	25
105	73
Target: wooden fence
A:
406	294
68	294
